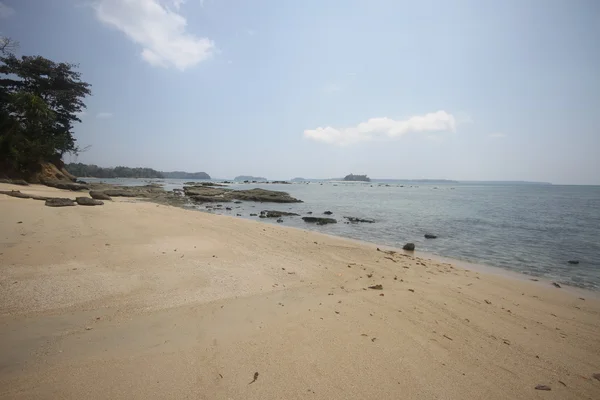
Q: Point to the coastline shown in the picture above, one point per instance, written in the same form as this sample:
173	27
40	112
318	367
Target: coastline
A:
181	303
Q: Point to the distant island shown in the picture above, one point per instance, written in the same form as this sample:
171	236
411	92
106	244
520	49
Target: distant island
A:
357	178
242	178
93	171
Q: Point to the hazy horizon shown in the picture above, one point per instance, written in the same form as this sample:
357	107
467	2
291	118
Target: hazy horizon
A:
462	90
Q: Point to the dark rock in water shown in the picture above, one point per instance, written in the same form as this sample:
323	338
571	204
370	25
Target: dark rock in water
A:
277	214
238	215
237	202
573	262
228	208
319	220
59	202
206	199
356	220
253	215
556	285
280	220
328	212
19	182
262	195
94	194
430	236
409	247
542	387
65	185
309	213
87	201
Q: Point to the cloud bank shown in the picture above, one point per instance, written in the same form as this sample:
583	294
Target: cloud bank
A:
159	28
383	128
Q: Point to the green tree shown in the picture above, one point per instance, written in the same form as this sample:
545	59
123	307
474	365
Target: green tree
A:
39	103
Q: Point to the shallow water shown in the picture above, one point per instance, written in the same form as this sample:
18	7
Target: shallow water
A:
528	228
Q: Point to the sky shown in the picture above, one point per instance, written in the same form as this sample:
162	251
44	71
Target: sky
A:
437	89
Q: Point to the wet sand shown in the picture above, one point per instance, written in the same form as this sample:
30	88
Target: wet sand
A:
134	300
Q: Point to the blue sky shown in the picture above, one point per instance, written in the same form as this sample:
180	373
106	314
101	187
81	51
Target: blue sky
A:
473	90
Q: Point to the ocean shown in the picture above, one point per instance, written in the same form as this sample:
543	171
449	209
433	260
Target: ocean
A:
527	228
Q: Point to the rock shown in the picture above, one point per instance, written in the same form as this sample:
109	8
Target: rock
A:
66	185
238	215
123	193
94	194
59	202
87	201
237	202
277	214
309	213
542	387
328	212
228	208
596	376
262	195
206	199
556	284
253	215
18	194
19	182
319	220
280	220
573	262
430	236
409	247
355	220
376	287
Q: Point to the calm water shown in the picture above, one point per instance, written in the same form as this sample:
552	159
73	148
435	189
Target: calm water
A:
533	229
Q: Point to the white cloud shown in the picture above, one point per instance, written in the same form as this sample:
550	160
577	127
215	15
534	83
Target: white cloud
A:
384	128
104	115
497	135
159	28
6	11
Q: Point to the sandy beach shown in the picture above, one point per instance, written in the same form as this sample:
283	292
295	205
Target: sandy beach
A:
134	300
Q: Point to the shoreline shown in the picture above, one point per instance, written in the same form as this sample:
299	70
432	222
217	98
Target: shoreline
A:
135	299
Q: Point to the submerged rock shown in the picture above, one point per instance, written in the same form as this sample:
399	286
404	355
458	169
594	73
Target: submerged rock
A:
574	262
277	214
262	195
59	202
319	220
409	247
87	201
328	212
356	220
430	236
280	220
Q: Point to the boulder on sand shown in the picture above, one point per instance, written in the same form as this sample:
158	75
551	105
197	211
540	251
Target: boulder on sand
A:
59	202
409	247
94	194
87	201
66	185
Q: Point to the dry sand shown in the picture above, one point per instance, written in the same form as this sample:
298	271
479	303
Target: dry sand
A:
134	300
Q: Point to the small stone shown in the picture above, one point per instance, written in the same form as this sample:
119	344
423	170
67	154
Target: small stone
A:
542	387
376	287
596	376
411	290
409	247
574	262
556	285
430	236
488	302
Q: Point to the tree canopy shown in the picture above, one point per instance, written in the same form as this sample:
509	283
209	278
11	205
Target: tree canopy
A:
39	103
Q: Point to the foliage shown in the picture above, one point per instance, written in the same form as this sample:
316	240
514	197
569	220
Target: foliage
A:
85	170
39	103
357	178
